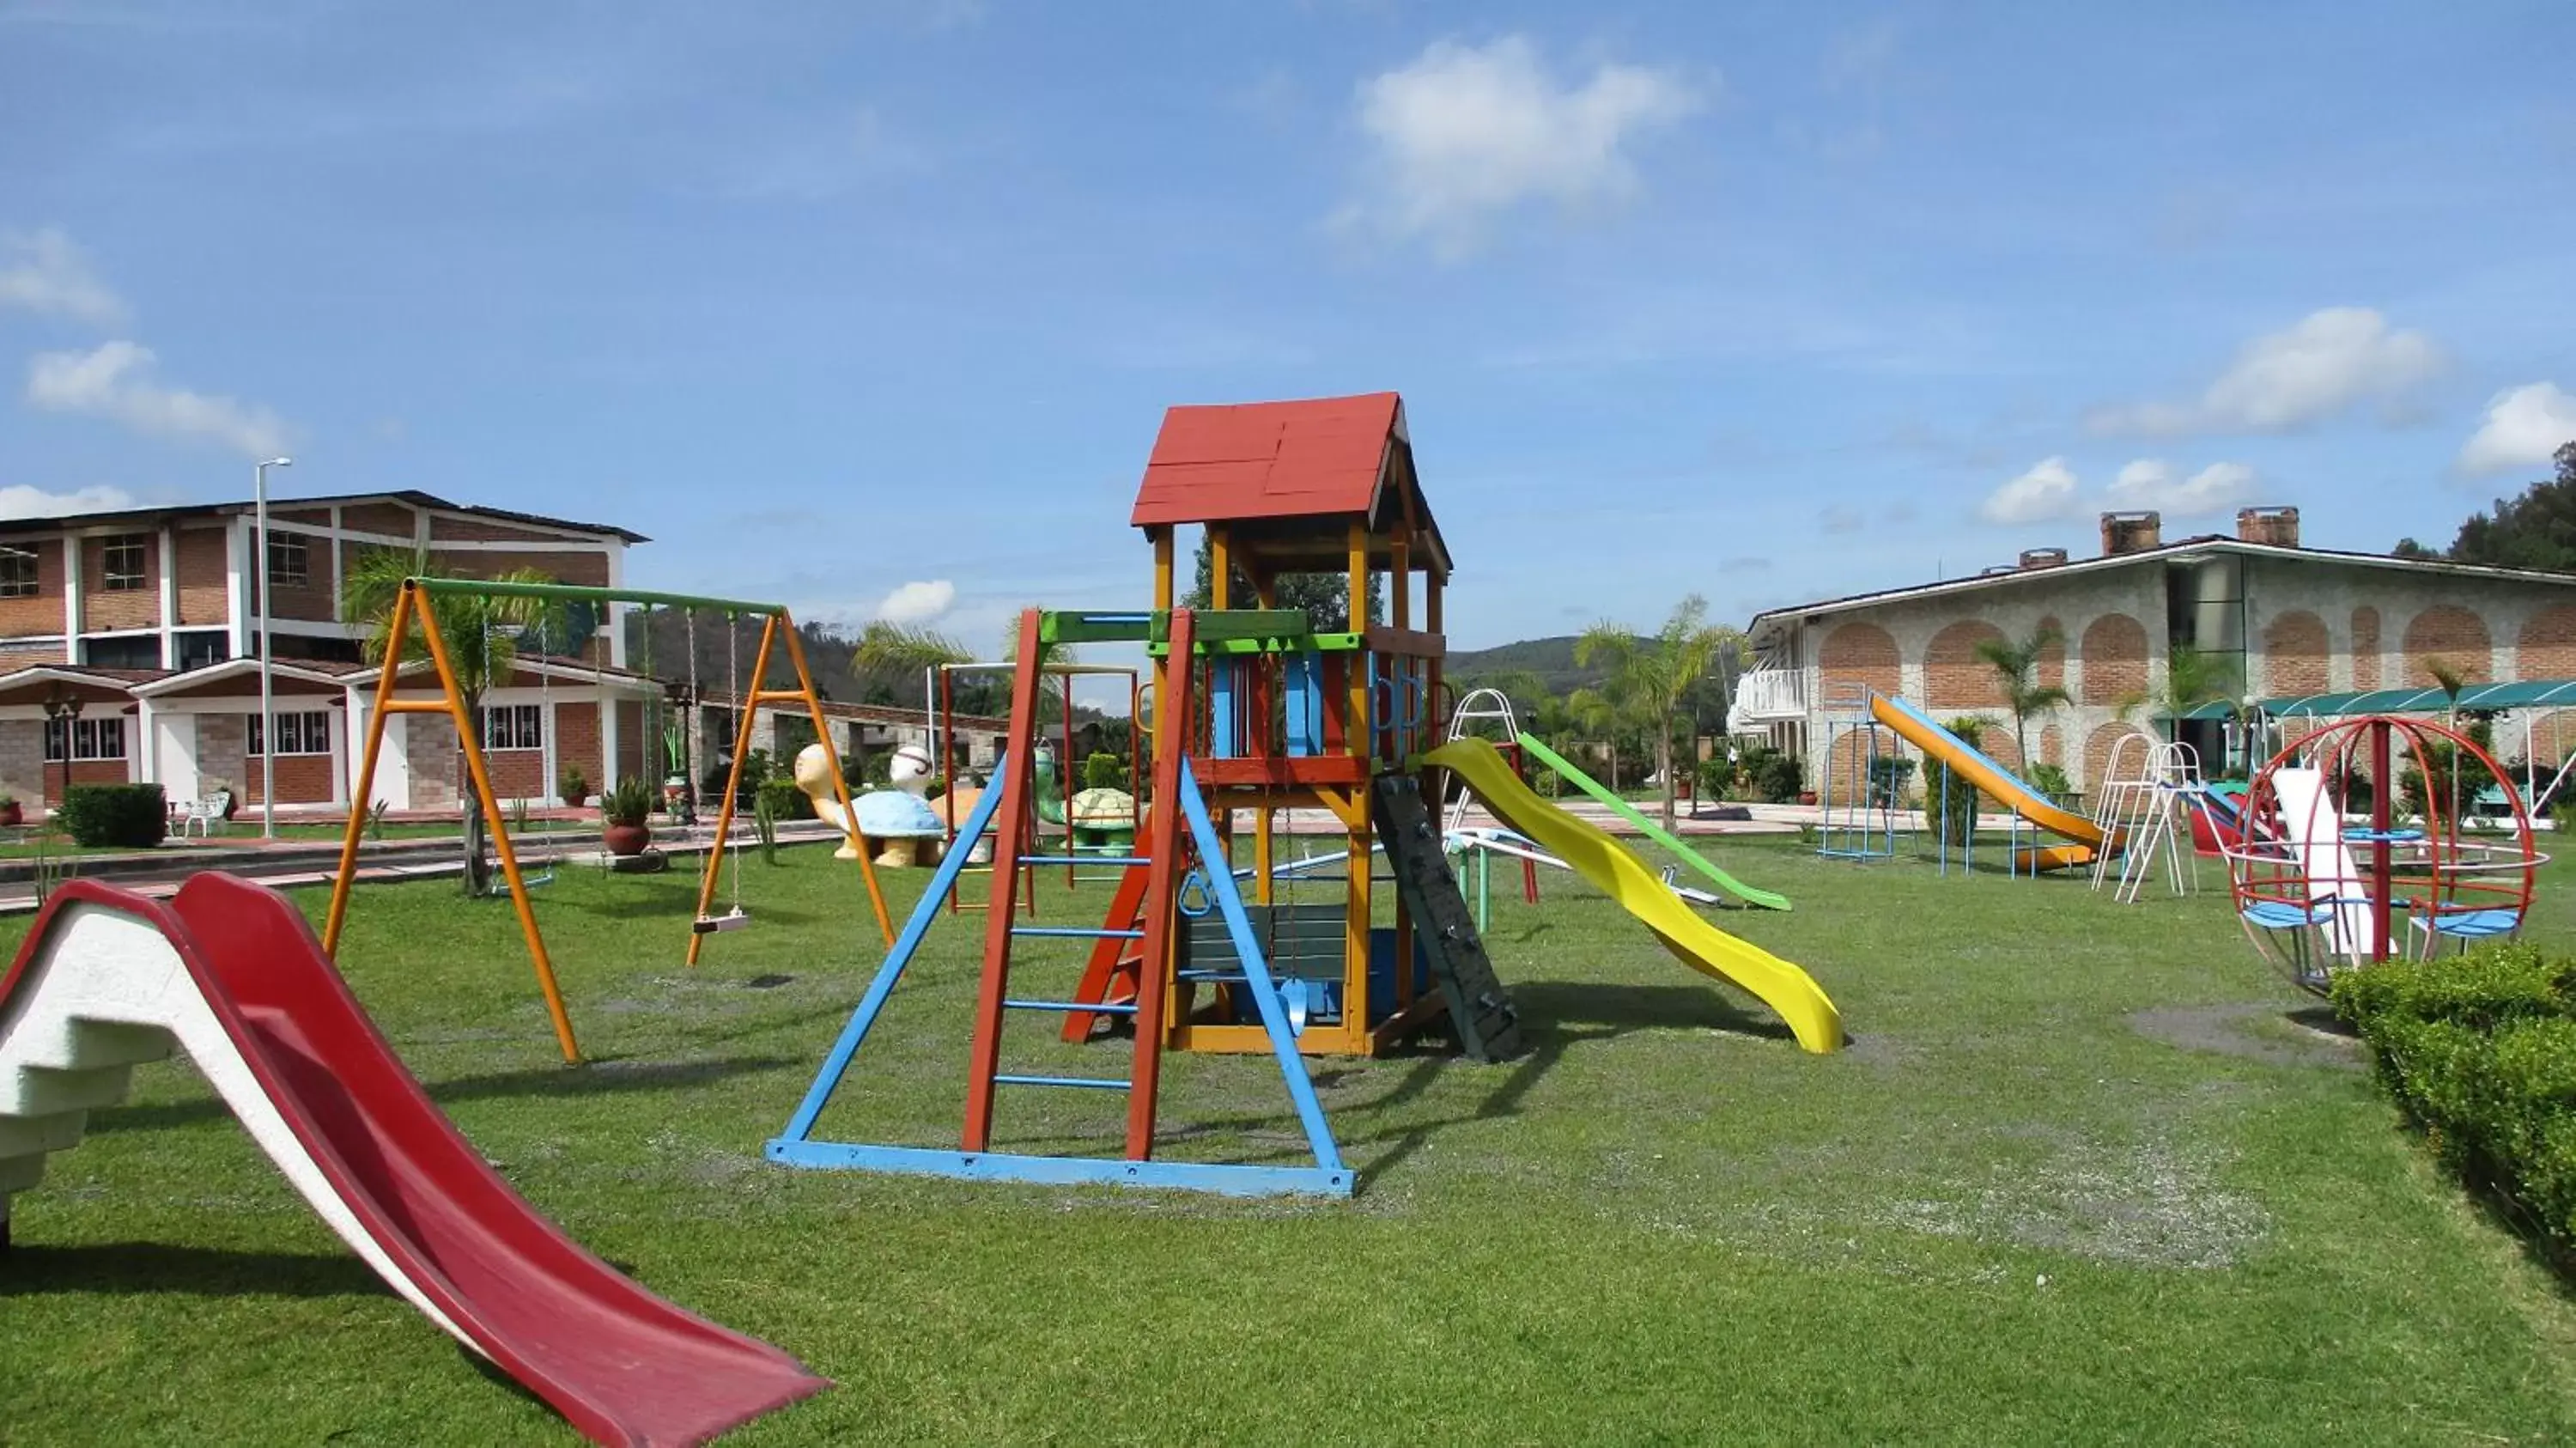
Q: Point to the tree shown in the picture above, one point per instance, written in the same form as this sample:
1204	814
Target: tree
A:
2016	666
1326	597
2536	530
2191	678
482	634
1648	677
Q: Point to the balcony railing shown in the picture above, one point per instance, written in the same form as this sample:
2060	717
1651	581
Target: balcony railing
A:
1765	696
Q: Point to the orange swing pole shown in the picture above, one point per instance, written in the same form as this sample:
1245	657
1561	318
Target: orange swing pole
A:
840	787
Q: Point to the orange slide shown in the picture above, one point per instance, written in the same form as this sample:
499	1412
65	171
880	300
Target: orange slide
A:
1992	780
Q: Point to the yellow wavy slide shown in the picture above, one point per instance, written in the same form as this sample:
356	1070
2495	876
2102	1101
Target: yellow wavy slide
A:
1618	873
1920	730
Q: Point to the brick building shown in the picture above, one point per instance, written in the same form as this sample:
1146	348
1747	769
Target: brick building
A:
2287	621
145	621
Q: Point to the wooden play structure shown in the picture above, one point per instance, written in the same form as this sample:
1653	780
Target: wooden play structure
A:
1294	718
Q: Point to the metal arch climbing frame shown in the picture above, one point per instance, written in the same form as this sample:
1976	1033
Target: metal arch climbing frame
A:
412	611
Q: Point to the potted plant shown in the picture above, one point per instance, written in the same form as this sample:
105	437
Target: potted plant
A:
11	813
675	753
575	788
622	812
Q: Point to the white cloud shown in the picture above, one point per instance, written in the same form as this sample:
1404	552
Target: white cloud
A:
1465	133
2041	495
2328	363
42	271
18	500
2525	427
2155	483
114	381
917	602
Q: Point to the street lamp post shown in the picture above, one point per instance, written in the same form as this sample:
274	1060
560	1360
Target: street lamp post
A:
62	710
267	712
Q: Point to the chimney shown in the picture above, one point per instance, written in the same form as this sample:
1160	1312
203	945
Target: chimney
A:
2131	533
2278	527
2042	557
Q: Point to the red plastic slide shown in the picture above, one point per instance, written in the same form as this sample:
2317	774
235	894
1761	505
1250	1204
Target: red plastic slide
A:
397	1178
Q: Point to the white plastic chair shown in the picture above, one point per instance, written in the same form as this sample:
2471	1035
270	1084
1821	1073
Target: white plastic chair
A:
204	813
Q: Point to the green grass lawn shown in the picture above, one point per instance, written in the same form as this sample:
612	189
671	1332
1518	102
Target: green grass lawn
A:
2082	1176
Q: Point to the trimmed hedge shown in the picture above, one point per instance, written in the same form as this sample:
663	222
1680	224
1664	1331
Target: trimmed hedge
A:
2480	1049
134	816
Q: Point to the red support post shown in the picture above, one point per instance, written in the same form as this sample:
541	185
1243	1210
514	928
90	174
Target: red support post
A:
984	1056
1172	715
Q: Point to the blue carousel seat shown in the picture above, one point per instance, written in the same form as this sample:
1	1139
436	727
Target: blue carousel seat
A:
2472	924
2282	915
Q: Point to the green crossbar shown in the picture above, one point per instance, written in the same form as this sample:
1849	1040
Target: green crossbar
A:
581	593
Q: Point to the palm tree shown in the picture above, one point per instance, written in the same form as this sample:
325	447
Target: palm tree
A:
1648	677
2016	666
482	636
2191	678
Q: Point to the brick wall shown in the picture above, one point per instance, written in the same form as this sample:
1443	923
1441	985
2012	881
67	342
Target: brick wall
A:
204	561
22	761
2052	746
42	614
2296	654
1860	653
443	528
392	519
2098	746
97	771
517	773
2052	657
636	755
2113	652
2546	648
223	749
9	661
125	608
2449	632
310	600
589	569
2365	648
1953	676
429	754
577	743
301	778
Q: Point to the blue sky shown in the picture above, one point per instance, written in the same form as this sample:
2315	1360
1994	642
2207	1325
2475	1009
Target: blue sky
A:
875	306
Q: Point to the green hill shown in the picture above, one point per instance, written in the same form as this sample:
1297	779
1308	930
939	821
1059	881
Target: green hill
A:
1551	659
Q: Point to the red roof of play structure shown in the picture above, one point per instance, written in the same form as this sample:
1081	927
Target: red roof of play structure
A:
1315	458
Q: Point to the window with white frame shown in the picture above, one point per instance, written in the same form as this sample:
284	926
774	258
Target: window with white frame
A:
102	737
290	561
514	726
17	572
307	731
121	567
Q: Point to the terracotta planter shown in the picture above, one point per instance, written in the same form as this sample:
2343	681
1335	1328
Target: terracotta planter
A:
11	815
623	840
1806	796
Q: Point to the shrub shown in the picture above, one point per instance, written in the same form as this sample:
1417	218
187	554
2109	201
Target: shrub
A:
575	787
2051	781
1778	778
1104	770
783	800
1546	785
131	816
2480	1050
1890	779
629	803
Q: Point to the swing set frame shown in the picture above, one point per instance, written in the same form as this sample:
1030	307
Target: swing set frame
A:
413	612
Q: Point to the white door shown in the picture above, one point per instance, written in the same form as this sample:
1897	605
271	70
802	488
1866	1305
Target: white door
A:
393	763
174	754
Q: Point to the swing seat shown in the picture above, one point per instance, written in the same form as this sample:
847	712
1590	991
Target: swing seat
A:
714	924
